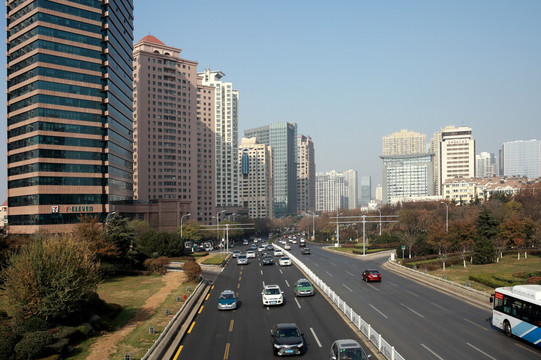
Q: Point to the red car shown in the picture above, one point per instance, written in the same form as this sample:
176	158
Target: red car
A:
371	275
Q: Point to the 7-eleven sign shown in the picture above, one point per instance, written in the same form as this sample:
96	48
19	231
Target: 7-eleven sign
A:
54	208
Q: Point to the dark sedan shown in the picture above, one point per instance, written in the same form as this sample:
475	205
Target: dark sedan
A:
287	339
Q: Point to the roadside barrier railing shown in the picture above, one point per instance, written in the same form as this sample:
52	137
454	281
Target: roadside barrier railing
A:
375	338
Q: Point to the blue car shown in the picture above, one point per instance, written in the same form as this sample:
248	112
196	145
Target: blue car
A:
227	300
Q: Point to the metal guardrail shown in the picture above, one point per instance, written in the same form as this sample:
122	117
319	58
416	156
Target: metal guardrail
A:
375	338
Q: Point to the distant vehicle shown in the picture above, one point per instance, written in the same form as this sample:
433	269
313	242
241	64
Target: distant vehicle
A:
287	247
347	349
227	300
268	260
269	247
303	287
517	311
272	295
371	275
209	248
287	339
235	253
305	251
261	248
242	259
284	261
302	242
278	252
250	254
244	242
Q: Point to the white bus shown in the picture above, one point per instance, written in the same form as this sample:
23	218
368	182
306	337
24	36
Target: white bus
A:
517	311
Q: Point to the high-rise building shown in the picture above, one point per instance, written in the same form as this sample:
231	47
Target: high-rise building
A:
335	190
365	190
306	175
485	165
255	185
282	137
521	158
404	142
173	134
69	111
406	176
226	125
454	155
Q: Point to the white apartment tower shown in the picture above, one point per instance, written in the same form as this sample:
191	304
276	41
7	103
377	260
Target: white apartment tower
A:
485	165
226	138
336	190
521	158
404	142
454	150
306	174
255	185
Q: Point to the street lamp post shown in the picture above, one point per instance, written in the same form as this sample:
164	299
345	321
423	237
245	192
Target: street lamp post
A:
364	238
313	224
218	226
446	216
181	218
337	230
379	221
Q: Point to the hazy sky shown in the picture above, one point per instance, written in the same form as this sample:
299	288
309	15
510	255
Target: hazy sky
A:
350	72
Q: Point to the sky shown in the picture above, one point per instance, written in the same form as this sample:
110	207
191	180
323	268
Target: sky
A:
353	71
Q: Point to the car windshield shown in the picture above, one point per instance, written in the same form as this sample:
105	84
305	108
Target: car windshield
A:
304	284
284	258
374	272
226	296
272	291
352	354
287	332
242	256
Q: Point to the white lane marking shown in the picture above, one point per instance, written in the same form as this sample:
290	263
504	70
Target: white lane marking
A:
481	351
414	294
263	284
526	348
297	301
438	306
329	273
315	336
413	311
347	287
316	264
382	314
372	286
471	322
333	264
261	272
287	283
432	352
349	273
392	283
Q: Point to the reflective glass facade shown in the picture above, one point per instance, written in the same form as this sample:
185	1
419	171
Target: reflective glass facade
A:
70	110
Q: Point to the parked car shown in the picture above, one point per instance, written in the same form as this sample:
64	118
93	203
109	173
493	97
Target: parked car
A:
227	300
347	349
287	339
272	295
250	254
303	287
278	252
242	259
268	260
305	251
371	275
284	261
235	253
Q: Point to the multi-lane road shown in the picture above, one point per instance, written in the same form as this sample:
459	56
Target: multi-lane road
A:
422	323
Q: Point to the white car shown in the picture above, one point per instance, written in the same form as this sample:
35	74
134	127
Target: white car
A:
287	247
236	253
250	254
242	259
278	252
284	261
261	248
272	295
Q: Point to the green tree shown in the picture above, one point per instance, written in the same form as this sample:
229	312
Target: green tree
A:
157	243
119	234
50	278
484	251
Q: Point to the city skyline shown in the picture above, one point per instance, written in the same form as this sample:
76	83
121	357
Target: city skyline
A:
397	67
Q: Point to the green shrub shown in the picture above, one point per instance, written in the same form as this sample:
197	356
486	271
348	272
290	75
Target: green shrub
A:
101	324
67	332
33	345
494	281
113	310
158	265
86	330
60	347
192	269
35	324
8	340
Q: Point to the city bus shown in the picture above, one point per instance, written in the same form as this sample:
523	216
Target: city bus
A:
517	311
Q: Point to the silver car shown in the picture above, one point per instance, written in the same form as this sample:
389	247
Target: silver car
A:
347	349
242	259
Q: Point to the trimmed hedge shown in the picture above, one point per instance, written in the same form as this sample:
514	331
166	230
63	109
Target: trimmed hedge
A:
33	345
495	281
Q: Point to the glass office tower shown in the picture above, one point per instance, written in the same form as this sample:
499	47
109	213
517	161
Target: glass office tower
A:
70	108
